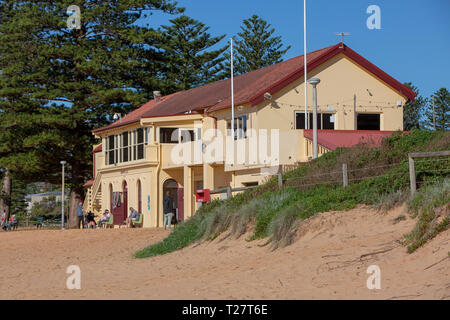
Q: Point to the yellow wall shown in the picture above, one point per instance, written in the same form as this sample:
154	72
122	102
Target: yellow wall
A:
130	175
341	81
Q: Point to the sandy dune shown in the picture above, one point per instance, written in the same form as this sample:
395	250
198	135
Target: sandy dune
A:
327	261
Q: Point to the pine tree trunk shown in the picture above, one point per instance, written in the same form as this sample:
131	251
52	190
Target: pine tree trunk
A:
6	193
76	194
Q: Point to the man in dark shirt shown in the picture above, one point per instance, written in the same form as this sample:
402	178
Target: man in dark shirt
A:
80	215
168	210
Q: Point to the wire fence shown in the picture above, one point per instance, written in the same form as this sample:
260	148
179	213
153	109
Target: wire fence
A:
424	166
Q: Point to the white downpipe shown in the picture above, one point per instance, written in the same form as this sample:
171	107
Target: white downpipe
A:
305	66
232	90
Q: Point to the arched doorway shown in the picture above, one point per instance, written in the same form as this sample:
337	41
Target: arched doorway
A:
110	198
139	196
171	186
125	200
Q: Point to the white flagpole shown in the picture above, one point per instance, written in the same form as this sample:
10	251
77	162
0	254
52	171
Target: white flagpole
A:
304	56
232	91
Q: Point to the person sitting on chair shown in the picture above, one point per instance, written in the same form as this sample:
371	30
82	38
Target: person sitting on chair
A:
12	222
104	218
134	215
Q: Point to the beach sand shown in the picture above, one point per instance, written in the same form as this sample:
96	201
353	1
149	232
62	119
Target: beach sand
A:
328	260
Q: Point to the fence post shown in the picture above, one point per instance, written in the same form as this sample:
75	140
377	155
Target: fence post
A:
412	175
344	175
280	180
229	193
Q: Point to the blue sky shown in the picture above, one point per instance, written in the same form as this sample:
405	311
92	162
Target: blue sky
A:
413	43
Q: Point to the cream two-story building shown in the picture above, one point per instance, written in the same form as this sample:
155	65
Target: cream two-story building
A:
183	142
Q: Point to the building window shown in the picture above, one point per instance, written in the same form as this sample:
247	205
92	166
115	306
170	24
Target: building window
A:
140	143
324	120
186	136
168	135
177	135
240	127
366	121
125	147
110	149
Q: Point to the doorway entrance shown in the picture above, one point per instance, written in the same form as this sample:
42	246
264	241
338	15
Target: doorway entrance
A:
171	186
368	121
125	201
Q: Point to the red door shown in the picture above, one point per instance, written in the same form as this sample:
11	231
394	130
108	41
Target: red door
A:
180	197
125	205
118	211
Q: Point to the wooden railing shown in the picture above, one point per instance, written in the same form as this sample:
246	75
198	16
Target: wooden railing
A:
412	169
309	149
96	186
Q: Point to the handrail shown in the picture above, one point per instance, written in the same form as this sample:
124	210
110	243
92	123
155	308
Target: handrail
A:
96	185
429	154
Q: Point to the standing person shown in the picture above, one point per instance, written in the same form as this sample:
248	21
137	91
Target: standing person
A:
80	215
134	215
168	210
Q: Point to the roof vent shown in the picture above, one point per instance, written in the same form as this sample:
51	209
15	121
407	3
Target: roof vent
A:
157	96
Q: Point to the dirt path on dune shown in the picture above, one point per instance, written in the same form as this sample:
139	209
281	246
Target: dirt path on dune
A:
328	261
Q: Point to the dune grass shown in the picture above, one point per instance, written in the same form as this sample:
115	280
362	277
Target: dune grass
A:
431	206
273	213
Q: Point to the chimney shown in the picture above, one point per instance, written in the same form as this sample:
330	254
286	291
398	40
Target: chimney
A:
157	96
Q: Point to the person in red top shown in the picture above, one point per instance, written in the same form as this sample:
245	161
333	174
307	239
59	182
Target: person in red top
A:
3	220
12	222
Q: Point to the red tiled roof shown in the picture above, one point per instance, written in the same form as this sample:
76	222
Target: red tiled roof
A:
250	87
89	183
333	139
135	115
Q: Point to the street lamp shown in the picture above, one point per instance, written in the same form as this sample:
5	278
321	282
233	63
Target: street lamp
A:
62	195
117	116
314	82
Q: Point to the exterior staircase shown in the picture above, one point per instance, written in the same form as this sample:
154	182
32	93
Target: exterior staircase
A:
93	200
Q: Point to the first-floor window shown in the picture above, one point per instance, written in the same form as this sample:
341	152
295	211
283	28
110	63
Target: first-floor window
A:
240	127
324	120
127	146
140	143
168	135
110	150
179	135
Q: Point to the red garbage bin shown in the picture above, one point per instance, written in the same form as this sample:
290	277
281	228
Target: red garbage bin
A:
203	195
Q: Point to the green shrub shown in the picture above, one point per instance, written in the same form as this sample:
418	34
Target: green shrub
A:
381	179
